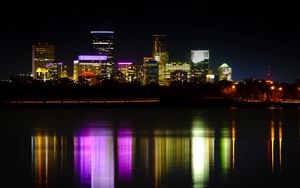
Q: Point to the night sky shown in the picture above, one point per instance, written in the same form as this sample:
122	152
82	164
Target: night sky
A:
247	36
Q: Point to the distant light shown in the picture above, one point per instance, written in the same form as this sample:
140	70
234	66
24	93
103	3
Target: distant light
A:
272	87
280	88
125	63
269	81
233	87
105	32
92	57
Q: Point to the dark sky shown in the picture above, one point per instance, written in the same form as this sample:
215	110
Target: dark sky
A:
248	36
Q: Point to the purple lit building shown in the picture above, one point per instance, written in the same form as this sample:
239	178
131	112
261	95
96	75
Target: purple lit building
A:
89	67
130	71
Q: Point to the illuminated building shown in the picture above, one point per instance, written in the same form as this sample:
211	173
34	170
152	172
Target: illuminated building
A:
200	60
130	71
161	55
150	67
87	67
103	44
178	71
56	70
210	77
225	72
42	54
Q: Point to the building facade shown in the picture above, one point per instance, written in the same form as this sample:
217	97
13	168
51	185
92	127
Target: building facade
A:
178	71
130	71
56	70
200	64
225	72
42	55
150	69
87	67
161	55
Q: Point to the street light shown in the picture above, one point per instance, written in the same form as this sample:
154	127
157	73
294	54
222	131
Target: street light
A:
272	87
280	88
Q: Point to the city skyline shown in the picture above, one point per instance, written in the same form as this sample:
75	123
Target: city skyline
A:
248	38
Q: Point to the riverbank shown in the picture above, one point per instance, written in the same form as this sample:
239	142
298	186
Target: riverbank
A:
148	102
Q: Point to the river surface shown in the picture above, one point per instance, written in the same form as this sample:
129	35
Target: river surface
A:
155	147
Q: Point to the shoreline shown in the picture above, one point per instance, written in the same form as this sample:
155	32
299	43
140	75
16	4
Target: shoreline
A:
150	102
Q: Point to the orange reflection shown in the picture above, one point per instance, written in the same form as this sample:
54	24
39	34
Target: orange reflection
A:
272	144
280	141
233	146
44	155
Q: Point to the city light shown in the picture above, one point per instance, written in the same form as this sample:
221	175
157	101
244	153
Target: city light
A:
103	32
272	87
280	89
92	57
125	63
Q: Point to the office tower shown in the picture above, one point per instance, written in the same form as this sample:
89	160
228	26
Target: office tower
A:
225	72
150	67
178	71
161	55
88	67
103	43
200	64
130	71
42	54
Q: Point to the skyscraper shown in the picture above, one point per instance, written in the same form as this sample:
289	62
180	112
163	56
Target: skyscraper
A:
161	55
103	43
200	60
42	55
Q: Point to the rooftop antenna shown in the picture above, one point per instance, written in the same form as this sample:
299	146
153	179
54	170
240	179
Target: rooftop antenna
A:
269	77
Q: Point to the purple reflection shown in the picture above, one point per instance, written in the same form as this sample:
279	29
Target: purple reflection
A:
82	158
94	157
125	154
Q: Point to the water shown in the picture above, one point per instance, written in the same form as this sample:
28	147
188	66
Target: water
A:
226	147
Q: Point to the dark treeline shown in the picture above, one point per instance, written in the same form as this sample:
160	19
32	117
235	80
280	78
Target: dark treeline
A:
20	88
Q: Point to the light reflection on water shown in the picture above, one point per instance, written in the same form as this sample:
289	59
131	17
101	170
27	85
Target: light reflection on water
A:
127	156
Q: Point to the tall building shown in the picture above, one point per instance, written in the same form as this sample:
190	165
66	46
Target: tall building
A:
103	43
200	64
161	55
150	68
225	72
87	67
42	55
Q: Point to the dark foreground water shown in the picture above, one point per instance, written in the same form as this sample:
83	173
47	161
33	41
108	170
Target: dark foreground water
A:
226	147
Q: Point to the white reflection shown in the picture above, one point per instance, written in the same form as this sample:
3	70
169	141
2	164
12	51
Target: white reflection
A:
202	154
